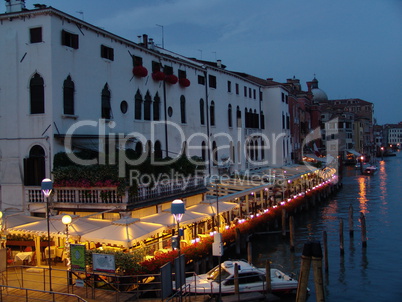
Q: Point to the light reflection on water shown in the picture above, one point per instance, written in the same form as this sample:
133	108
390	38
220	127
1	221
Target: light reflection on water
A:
371	274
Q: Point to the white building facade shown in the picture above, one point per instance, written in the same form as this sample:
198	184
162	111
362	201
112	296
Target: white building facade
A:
67	85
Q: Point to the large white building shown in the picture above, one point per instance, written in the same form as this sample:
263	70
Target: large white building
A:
67	85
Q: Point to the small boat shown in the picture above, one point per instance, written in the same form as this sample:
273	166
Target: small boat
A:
251	279
370	170
358	165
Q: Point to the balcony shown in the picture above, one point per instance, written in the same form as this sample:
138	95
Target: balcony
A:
102	197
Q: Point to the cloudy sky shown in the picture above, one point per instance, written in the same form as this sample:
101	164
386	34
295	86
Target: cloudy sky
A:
353	47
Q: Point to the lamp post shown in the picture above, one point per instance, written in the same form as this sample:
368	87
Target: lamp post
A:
47	187
178	210
2	239
67	220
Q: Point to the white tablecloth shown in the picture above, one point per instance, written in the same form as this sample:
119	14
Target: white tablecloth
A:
23	256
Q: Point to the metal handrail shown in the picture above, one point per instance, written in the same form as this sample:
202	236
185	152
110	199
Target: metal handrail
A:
2	287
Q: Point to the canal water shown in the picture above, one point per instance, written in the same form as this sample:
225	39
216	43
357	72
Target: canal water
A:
366	274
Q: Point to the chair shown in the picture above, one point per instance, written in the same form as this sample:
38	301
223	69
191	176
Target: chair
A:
10	259
33	259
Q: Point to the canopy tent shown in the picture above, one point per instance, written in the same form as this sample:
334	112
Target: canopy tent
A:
167	219
125	231
354	152
77	227
210	207
17	219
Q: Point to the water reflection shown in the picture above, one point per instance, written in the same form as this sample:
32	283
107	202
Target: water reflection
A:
362	194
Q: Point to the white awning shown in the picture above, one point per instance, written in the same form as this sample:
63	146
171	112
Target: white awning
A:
354	152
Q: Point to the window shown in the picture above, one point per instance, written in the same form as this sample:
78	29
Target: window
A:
68	96
138	105
35	34
245	91
183	109
168	70
182	74
212	113
237	88
158	150
203	151
107	52
202	113
156	107
212	81
249	92
156	66
283	97
262	121
230	115
123	107
69	39
238	117
254	94
229	86
34	166
137	61
215	153
37	94
201	80
147	107
106	108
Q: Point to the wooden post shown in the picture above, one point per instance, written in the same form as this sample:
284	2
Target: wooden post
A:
236	279
268	276
292	231
364	234
301	294
238	241
317	270
283	222
350	221
341	236
249	252
325	240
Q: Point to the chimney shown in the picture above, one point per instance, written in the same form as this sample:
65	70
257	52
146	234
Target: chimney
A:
13	6
145	40
309	86
219	63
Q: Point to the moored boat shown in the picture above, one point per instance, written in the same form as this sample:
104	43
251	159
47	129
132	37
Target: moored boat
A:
370	170
251	279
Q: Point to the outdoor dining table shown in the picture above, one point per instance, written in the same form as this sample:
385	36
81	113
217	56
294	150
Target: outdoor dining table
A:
25	257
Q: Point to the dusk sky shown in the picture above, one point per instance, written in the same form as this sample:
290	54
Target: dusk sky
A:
352	47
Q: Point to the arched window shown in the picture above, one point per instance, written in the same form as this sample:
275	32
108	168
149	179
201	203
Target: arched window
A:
215	153
158	150
203	151
238	117
147	107
262	150
138	105
106	108
156	107
37	94
251	147
256	150
262	120
183	109
138	149
212	113
68	96
202	113
230	115
148	148
34	167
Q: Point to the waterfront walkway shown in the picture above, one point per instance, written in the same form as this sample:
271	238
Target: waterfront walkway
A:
32	284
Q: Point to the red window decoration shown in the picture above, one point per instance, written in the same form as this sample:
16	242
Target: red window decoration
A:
140	71
184	82
158	76
171	79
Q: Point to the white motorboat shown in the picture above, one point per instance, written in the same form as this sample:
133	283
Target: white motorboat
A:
370	170
251	279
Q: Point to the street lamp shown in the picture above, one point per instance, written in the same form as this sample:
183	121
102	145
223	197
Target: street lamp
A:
178	210
67	220
47	187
